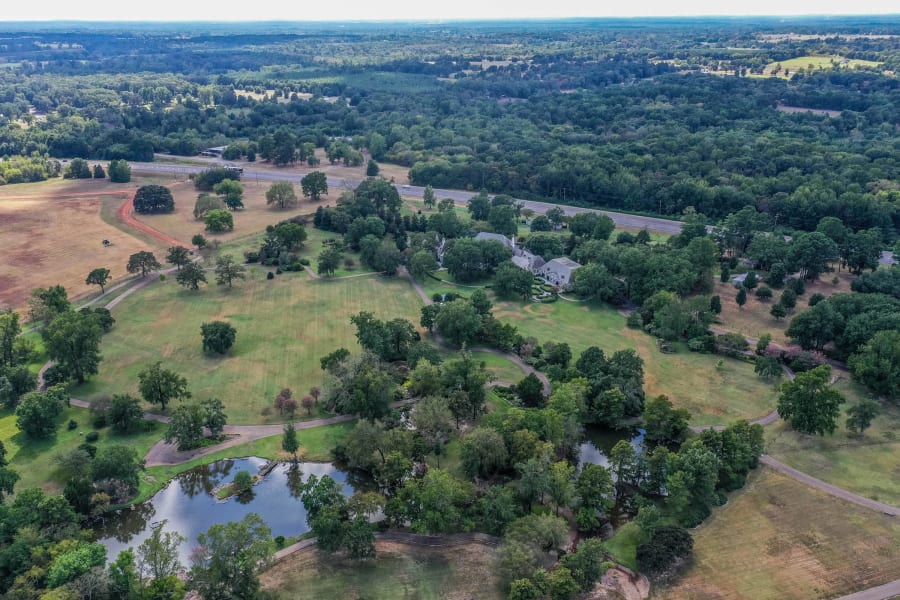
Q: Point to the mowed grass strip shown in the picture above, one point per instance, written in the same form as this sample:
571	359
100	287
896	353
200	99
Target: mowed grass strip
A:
779	539
398	571
284	326
868	465
713	393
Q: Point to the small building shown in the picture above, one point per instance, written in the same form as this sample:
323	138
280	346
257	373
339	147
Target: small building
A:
214	151
738	280
558	271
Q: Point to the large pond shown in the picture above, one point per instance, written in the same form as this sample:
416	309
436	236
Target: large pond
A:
190	506
598	443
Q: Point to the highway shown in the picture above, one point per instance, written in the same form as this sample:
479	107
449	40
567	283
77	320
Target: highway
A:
653	224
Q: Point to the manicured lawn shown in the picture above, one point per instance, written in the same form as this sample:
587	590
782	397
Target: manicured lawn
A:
33	459
713	394
315	446
623	545
398	571
781	540
284	326
817	62
867	465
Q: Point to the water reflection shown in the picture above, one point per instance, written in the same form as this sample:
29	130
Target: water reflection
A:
599	442
190	506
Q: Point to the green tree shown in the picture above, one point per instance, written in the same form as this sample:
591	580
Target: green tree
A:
98	277
809	403
667	547
124	413
218	221
214	417
124	580
810	254
199	241
314	185
186	426
142	262
596	495
231	192
158	554
530	391
217	336
329	260
281	194
458	321
46	304
178	256
161	386
119	171
778	311
99	173
815	327
768	367
562	484
191	276
289	441
664	424
877	365
228	270
72	340
860	416
205	203
75	562
431	418
422	263
741	297
479	206
37	412
150	199
78	168
119	463
428	197
483	453
466	375
511	280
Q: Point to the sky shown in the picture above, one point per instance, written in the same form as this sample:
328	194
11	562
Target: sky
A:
367	10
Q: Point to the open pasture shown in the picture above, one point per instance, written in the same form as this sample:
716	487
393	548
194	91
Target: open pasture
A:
815	63
398	571
284	326
52	232
713	394
781	540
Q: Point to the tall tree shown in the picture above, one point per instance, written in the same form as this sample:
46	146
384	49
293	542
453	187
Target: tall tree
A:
227	270
230	557
289	442
877	364
99	277
860	416
161	386
217	336
281	194
142	262
809	403
191	276
73	340
314	185
178	256
158	554
151	199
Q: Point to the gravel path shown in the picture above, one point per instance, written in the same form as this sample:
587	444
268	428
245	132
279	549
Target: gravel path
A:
881	592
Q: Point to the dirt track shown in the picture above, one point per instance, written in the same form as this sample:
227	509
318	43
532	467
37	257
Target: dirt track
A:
126	217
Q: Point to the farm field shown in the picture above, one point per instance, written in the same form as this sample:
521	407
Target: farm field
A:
713	395
779	539
867	465
51	233
753	319
34	461
283	327
398	571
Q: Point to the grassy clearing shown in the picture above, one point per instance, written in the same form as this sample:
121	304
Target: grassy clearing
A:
623	545
283	327
315	446
33	459
779	539
712	394
816	63
398	571
754	319
51	232
867	465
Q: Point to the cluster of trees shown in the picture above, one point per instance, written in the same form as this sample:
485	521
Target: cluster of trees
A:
152	199
280	245
464	321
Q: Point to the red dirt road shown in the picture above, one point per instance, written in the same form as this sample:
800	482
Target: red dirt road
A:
126	217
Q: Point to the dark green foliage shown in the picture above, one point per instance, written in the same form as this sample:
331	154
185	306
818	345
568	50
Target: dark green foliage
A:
530	391
230	557
860	416
667	547
37	412
77	169
143	262
877	365
153	199
124	413
809	404
664	424
217	336
160	386
205	181
119	171
191	276
315	184
119	463
218	220
72	340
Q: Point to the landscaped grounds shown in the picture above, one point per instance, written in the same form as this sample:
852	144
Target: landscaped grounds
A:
714	390
778	539
284	326
459	572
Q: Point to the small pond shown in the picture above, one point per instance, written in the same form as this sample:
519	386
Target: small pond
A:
190	505
598	443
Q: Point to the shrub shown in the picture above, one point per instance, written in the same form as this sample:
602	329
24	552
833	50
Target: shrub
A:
270	275
815	299
667	548
304	262
93	436
251	257
243	481
764	293
279	541
73	424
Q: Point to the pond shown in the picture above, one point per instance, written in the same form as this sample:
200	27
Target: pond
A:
598	443
190	506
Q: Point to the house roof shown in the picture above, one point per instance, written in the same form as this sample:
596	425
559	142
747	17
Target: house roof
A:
484	235
562	263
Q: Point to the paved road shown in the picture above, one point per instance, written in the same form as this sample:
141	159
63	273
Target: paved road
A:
828	488
459	196
882	592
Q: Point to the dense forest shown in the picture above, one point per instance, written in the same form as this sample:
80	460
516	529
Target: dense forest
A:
652	118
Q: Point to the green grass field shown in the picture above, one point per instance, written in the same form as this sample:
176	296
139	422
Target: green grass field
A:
284	327
867	465
398	571
781	540
806	63
33	459
713	394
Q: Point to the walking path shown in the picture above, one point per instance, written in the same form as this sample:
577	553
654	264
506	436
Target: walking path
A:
882	592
